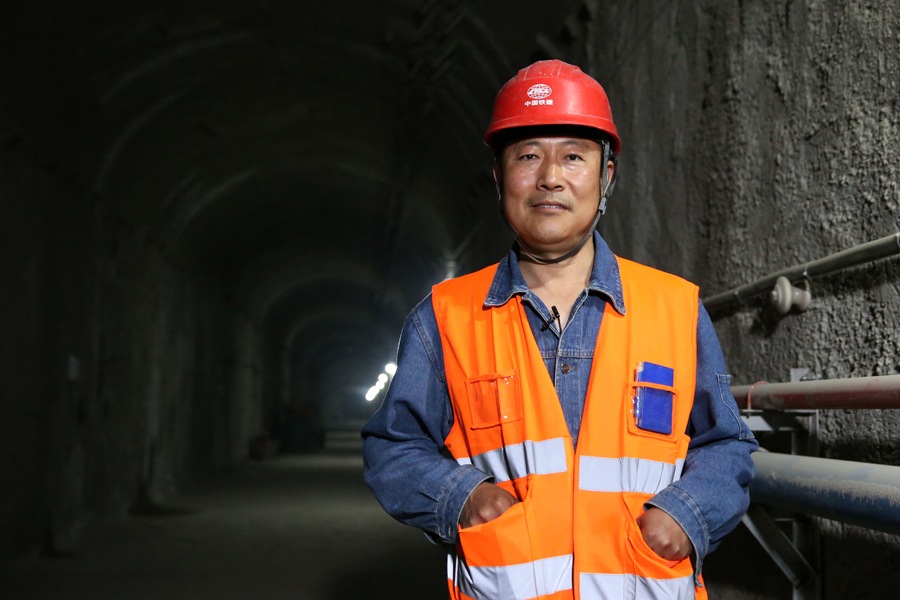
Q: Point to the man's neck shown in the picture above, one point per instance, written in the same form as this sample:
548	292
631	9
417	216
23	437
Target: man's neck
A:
559	284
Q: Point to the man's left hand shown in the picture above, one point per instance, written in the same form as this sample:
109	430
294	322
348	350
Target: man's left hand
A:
664	535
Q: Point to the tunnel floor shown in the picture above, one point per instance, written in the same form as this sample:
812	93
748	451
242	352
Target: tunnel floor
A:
295	527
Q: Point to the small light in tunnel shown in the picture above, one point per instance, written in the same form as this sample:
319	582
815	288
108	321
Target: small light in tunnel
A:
383	378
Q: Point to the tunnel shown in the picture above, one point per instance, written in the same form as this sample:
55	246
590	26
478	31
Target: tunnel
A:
218	215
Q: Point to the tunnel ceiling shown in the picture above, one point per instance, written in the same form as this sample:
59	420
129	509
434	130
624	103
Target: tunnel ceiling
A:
306	155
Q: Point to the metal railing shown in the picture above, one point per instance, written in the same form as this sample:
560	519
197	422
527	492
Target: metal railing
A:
858	255
862	494
856	392
850	492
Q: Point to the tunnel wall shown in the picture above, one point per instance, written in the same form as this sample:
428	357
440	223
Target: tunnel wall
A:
195	191
123	373
757	136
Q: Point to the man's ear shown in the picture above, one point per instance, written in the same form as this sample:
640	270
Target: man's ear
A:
498	177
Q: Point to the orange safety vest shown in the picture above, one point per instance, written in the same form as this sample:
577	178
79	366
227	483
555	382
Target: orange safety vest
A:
573	535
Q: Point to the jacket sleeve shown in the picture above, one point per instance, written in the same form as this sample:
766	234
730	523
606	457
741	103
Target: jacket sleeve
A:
403	465
712	494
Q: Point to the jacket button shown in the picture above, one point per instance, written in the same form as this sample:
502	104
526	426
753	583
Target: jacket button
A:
565	368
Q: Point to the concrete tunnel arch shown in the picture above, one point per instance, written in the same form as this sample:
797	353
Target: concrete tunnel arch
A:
216	168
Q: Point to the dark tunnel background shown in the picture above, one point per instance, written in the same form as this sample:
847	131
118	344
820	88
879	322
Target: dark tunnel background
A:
216	216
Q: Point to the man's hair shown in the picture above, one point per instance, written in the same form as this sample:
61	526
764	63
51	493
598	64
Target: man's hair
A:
505	137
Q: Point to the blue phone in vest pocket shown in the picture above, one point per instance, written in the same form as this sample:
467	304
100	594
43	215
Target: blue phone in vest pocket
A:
653	407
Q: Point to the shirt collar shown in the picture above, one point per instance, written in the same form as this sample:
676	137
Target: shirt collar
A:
605	279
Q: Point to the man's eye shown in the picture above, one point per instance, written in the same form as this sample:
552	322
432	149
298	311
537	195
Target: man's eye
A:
573	157
528	157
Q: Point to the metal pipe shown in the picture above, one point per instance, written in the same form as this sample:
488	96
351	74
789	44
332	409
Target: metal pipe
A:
850	492
856	392
864	253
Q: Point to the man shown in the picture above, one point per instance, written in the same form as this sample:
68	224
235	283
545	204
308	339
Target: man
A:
598	451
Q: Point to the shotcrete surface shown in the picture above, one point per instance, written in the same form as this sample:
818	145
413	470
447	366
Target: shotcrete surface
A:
758	136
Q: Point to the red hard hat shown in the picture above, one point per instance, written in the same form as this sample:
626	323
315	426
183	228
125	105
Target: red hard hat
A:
551	92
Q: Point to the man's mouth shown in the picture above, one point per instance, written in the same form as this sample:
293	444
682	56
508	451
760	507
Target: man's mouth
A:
550	204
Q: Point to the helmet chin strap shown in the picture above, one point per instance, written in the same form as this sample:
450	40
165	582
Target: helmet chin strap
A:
605	188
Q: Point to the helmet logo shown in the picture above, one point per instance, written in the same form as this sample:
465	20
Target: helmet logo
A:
539	91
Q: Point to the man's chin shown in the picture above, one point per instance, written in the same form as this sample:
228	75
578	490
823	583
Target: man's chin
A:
549	248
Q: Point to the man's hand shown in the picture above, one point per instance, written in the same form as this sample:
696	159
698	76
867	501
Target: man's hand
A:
664	535
486	502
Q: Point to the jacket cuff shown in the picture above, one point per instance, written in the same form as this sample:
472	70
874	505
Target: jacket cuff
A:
681	507
453	497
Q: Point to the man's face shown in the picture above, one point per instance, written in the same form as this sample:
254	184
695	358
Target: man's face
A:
550	188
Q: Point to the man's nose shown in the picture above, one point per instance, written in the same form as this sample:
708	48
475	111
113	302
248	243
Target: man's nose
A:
550	177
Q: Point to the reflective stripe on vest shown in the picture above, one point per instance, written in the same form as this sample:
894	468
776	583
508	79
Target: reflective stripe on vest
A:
512	582
612	586
640	475
519	460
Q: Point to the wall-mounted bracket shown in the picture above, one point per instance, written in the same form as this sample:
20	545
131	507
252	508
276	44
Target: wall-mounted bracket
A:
771	421
783	552
797	555
785	296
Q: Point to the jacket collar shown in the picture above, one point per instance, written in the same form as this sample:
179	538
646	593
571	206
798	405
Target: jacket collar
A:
605	279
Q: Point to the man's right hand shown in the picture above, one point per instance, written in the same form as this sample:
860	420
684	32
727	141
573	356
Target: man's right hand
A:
486	502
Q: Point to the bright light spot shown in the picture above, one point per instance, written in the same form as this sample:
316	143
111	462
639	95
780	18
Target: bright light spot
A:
383	379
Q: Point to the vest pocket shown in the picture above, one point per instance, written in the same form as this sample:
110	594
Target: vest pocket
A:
498	560
494	399
503	541
670	579
665	412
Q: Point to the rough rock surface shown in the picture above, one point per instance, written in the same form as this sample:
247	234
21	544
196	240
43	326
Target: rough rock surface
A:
757	136
116	386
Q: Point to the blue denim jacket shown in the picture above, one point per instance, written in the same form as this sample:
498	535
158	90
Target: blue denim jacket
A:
419	486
